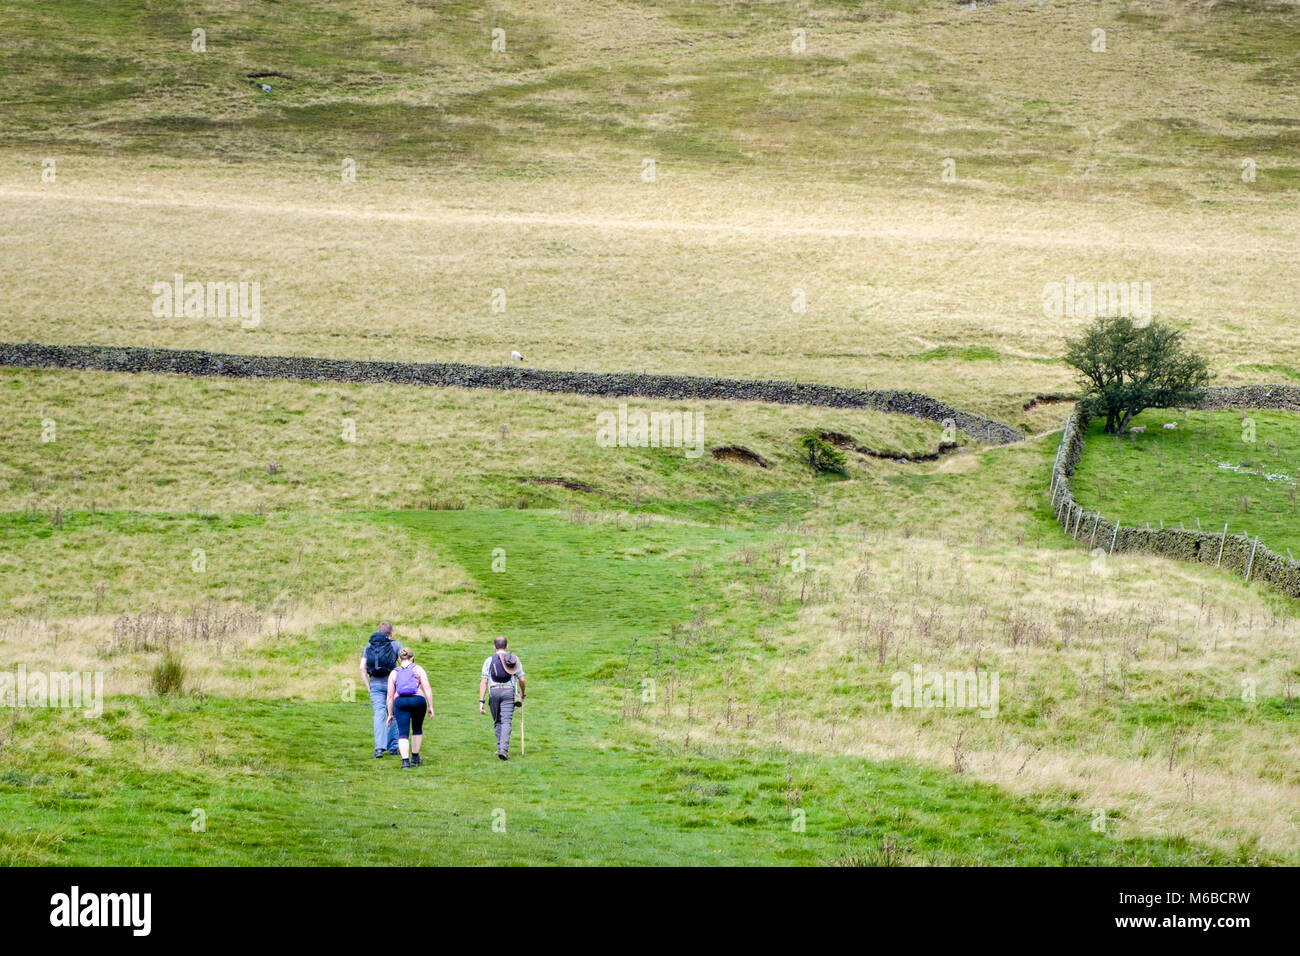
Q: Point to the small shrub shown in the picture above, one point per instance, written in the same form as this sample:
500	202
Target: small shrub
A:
821	455
169	676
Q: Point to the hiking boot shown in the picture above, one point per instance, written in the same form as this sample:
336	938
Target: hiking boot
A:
378	752
503	755
406	764
415	760
395	752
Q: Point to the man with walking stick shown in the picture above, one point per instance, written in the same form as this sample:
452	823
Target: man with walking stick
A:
501	688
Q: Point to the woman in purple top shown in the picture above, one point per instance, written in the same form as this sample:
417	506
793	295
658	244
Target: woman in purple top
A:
409	698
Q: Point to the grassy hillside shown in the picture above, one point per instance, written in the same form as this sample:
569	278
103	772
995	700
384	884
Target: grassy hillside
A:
1014	91
279	762
761	670
712	646
780	178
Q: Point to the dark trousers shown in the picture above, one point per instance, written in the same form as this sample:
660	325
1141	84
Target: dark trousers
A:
501	705
409	712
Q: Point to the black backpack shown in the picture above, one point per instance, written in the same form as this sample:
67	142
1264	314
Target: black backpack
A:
498	670
381	656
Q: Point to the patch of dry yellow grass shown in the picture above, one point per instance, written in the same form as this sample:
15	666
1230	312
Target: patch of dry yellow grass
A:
1092	661
228	666
687	275
176	444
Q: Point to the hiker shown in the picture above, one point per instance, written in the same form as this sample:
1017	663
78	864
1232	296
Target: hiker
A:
377	661
501	686
409	699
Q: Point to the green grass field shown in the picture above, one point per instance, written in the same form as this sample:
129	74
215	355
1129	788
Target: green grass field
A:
167	443
1216	468
692	588
286	777
712	647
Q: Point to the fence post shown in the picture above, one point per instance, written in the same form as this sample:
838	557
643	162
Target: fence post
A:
1095	522
1251	563
1113	535
1222	540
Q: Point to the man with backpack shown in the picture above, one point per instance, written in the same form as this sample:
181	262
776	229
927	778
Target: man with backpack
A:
501	687
378	660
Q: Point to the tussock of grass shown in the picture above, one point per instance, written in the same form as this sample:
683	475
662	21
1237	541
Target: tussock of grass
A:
169	676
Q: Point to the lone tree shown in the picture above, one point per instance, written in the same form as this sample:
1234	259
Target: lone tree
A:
1125	368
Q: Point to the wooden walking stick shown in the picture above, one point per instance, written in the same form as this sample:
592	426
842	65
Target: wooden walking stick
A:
522	748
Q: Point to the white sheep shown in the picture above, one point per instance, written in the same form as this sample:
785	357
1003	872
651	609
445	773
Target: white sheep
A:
1138	428
516	356
1171	425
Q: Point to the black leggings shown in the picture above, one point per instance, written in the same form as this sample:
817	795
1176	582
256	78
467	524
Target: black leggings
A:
410	711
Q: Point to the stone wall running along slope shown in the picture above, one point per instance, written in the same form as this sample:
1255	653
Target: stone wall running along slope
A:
605	384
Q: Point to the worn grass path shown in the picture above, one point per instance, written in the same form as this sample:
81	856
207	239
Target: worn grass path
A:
289	781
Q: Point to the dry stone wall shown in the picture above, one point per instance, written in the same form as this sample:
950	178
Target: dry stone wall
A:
605	384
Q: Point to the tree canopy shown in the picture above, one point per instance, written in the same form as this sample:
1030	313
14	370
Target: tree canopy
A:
1126	368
